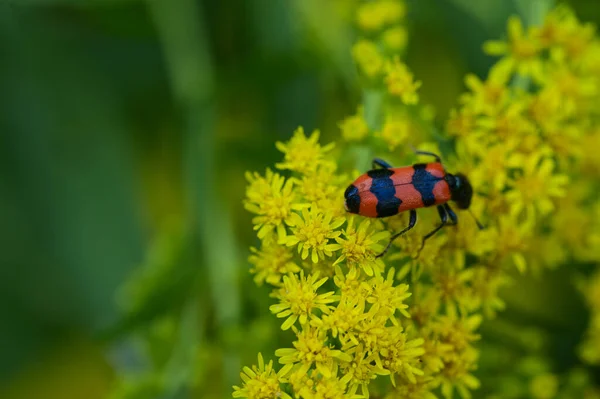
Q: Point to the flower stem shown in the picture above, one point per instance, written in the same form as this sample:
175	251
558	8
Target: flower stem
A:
180	27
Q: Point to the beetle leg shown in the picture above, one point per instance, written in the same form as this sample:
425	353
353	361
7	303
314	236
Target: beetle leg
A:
444	217
451	214
411	223
381	163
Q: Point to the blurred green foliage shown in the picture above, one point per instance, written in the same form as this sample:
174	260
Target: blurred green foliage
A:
125	131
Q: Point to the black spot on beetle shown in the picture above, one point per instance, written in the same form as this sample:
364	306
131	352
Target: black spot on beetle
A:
424	182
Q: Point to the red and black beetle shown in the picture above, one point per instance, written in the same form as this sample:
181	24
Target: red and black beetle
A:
387	191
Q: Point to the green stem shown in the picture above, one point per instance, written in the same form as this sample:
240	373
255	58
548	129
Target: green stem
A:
533	12
180	27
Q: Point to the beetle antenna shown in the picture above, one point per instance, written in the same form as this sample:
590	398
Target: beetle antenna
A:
481	227
419	152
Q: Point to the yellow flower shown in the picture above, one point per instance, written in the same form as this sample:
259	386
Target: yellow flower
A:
311	349
373	15
485	285
350	282
354	128
544	386
434	353
454	288
272	198
399	355
546	108
360	370
271	262
400	82
303	154
312	232
385	298
298	299
507	125
361	245
512	241
421	390
458	333
368	57
262	382
568	39
487	97
396	131
313	386
425	305
557	24
536	186
344	318
322	187
457	374
395	38
521	52
461	123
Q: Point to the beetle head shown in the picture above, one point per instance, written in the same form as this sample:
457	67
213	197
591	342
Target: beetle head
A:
461	190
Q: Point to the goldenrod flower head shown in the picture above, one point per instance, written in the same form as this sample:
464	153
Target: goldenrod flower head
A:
360	370
462	123
374	15
567	38
485	284
454	289
521	51
368	57
457	331
298	299
544	386
457	374
425	305
271	262
536	186
512	240
434	354
312	233
262	382
354	128
310	350
396	131
349	283
272	198
547	109
488	97
399	355
420	390
395	39
342	320
400	82
322	187
557	25
385	298
509	124
360	246
311	386
303	154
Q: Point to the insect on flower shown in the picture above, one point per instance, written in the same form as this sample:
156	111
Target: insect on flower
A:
385	191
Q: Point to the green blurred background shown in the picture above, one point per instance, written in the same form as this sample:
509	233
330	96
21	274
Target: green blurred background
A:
125	131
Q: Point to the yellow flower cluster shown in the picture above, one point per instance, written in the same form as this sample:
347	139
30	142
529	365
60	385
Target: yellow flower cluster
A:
412	316
377	55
